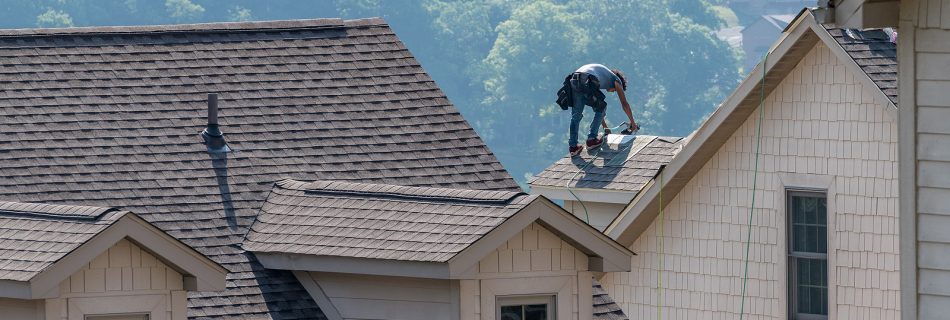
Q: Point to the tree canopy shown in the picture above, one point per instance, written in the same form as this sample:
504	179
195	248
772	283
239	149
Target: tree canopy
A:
499	61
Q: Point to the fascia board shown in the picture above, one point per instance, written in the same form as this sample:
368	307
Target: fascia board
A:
15	289
379	267
585	194
636	216
208	275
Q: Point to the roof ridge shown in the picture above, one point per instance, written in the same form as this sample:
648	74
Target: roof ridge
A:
436	194
207	27
59	211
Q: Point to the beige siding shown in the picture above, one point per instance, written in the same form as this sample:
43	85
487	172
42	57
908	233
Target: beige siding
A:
599	214
533	249
381	297
21	309
533	262
822	129
125	270
925	76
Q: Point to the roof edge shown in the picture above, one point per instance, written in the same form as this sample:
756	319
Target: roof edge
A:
636	217
210	27
643	209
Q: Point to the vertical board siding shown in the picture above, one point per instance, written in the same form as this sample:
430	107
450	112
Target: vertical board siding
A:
820	121
125	269
534	254
932	83
534	249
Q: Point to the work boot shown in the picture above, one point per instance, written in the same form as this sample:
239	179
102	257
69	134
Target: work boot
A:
575	150
594	143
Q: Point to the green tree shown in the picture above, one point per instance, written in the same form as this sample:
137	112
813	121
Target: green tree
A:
54	19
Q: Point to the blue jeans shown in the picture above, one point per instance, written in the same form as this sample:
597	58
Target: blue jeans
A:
577	113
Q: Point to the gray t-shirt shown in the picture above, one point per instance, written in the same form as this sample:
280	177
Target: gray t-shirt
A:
603	74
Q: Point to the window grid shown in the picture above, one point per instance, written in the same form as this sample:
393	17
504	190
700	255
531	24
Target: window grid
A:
807	216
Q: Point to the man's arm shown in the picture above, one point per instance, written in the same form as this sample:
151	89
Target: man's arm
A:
625	105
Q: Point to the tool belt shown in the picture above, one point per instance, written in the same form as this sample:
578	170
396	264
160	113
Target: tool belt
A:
581	83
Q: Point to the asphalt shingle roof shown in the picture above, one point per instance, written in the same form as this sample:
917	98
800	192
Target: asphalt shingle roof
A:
378	221
110	117
605	308
873	51
34	236
623	167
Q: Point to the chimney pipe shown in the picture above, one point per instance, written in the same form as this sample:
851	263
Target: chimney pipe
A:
212	135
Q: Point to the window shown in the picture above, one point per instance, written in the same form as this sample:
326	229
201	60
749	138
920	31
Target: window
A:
807	255
525	308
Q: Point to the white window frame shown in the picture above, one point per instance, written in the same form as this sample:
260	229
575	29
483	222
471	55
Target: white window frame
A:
561	287
549	300
155	305
793	256
804	182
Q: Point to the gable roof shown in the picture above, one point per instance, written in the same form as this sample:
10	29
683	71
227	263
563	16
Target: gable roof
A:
110	117
42	245
624	166
428	232
784	56
377	221
34	236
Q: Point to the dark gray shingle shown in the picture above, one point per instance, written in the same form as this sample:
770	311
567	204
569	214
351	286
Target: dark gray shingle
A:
110	117
873	51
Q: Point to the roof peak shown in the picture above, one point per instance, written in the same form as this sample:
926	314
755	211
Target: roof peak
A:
208	27
56	211
388	191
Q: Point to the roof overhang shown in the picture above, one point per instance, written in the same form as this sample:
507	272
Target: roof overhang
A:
605	255
199	272
798	39
588	194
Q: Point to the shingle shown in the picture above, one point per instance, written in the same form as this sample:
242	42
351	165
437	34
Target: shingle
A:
109	116
873	51
623	167
33	236
433	223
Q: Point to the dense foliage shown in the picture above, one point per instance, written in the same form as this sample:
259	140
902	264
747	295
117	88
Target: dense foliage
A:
499	61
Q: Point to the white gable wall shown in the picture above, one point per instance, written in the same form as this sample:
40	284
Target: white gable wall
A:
533	262
124	279
822	129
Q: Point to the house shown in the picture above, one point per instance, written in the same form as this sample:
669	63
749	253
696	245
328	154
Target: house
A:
812	135
923	54
596	185
375	251
759	35
77	262
121	117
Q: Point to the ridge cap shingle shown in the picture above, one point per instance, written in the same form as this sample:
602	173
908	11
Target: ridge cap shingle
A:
207	27
376	190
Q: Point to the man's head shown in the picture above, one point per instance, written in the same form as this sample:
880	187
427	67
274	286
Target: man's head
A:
623	80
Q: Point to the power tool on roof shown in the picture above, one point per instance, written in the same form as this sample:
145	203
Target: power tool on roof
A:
626	129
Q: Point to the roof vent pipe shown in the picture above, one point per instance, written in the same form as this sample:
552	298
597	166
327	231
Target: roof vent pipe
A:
212	135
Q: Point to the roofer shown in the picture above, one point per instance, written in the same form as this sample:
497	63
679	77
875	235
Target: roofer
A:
582	87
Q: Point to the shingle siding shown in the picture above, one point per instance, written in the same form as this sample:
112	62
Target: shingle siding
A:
820	124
